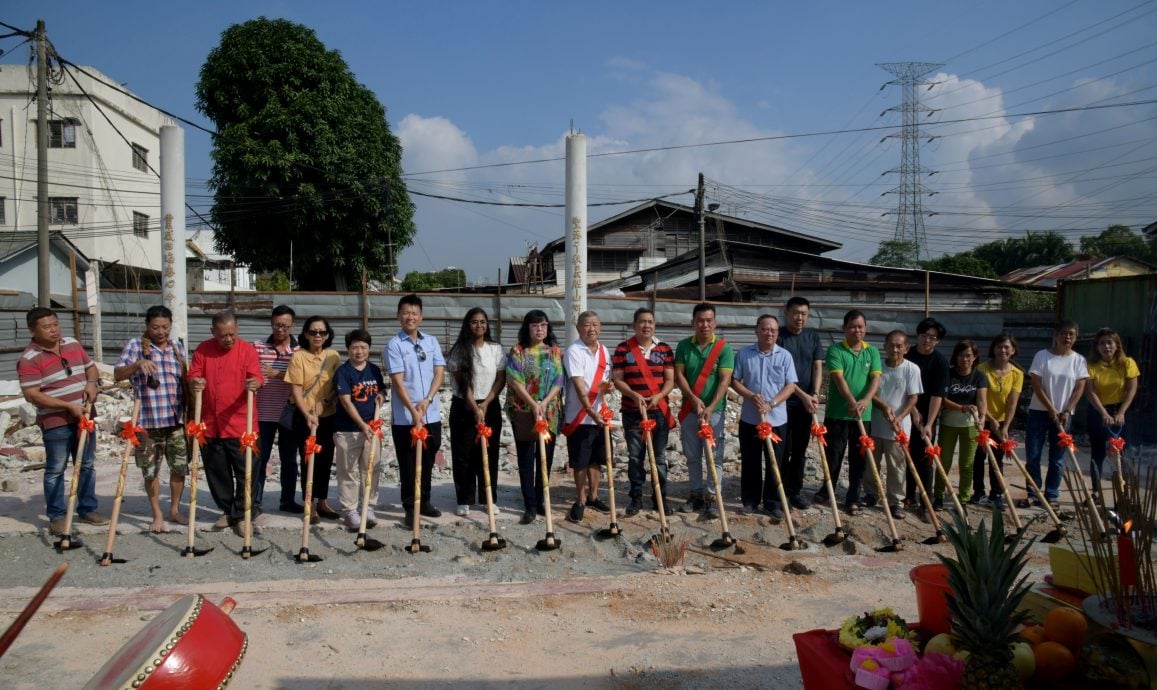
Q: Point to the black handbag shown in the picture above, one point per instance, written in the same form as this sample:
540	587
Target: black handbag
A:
522	424
286	418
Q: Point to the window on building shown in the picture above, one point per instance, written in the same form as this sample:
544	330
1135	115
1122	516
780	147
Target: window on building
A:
62	134
140	224
3	205
140	158
62	210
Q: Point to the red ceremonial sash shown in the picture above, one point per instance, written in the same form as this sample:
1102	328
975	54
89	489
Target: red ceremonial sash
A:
701	382
649	380
593	393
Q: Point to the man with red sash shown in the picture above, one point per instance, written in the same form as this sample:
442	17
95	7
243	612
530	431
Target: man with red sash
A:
703	366
588	366
643	370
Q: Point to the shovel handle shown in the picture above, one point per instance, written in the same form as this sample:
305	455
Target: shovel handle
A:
194	468
118	498
656	485
544	470
709	446
820	443
924	497
779	488
879	485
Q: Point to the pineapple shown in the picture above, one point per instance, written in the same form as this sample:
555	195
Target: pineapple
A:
986	595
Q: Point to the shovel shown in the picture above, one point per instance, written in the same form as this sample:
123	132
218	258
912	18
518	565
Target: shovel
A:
66	542
249	443
196	433
902	440
648	427
1077	488
613	530
1059	530
493	542
311	449
868	446
983	438
362	541
548	543
30	608
418	436
818	431
725	540
129	434
767	434
933	453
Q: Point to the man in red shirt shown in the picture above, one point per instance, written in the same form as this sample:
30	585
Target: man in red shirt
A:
57	377
224	368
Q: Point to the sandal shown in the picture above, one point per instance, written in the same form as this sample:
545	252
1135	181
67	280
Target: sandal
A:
854	509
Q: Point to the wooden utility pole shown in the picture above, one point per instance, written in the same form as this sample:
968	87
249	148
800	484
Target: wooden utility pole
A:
699	191
43	248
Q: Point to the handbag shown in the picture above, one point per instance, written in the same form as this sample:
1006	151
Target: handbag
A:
522	424
287	412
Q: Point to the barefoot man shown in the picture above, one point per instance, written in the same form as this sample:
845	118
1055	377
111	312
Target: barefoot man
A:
156	365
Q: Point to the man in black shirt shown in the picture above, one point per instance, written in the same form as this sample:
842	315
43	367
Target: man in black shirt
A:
934	377
808	353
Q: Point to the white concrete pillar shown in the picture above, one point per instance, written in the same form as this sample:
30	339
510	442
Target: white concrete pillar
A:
576	232
174	291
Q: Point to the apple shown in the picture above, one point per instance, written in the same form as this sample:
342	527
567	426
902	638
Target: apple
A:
942	643
1023	659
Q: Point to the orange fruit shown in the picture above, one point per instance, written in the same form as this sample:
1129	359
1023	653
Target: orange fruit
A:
1033	634
1067	626
1054	661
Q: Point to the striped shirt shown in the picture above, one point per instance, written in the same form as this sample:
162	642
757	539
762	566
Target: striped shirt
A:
163	406
49	372
660	357
272	396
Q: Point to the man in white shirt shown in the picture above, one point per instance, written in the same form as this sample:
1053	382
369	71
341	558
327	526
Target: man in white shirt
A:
588	366
900	388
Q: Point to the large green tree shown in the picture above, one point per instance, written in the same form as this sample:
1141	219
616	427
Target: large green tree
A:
1116	240
895	253
963	263
303	159
1034	249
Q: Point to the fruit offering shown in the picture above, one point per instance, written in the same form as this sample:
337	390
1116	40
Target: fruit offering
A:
874	629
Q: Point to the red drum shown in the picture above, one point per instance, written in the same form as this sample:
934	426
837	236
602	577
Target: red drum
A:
192	644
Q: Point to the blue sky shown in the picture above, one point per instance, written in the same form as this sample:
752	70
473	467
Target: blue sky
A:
477	83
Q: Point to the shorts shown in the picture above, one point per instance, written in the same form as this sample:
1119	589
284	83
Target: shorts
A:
585	447
166	441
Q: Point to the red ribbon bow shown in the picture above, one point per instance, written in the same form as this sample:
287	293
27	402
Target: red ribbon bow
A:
249	440
542	428
484	432
706	433
419	434
932	452
86	424
1065	440
312	447
901	438
196	431
766	431
606	414
819	431
867	444
376	427
1007	446
129	432
648	425
984	438
1117	444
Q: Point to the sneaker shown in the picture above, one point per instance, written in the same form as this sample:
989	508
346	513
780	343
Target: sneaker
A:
634	506
56	527
576	513
599	505
462	510
527	518
898	512
870	500
776	512
292	508
746	509
983	501
221	523
709	512
93	518
352	521
938	503
693	504
799	502
975	500
428	510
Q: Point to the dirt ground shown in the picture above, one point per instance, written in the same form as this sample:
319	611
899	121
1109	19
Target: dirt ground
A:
593	613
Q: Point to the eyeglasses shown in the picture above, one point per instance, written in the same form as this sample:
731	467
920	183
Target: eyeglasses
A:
65	364
481	322
419	352
282	326
316	332
929	335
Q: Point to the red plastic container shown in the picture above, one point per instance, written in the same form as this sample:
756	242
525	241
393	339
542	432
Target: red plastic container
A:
932	590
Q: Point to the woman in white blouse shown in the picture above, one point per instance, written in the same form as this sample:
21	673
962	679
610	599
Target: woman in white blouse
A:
477	367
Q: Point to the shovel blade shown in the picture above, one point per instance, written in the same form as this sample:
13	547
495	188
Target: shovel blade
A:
372	545
249	552
834	538
1053	536
416	546
611	532
894	547
68	545
108	559
549	543
191	552
494	543
304	556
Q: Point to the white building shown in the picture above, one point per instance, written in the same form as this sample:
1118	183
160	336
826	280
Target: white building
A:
104	193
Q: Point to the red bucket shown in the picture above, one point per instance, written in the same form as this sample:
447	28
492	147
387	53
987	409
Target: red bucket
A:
932	590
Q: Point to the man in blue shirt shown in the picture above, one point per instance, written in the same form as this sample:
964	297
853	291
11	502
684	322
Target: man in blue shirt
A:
415	365
765	377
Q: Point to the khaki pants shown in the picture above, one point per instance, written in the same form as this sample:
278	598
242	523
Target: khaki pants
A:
890	458
351	456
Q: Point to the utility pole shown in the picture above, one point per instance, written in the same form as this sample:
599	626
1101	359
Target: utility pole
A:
699	191
43	250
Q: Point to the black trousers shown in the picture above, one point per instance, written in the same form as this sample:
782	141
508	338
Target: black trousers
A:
924	466
467	451
844	435
756	480
407	454
530	472
796	436
322	460
225	473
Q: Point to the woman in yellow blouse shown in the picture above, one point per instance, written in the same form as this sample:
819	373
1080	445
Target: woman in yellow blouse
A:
1005	382
1113	385
311	384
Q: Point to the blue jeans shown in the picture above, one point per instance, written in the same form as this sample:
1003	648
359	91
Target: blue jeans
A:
286	451
637	460
694	449
1040	429
59	446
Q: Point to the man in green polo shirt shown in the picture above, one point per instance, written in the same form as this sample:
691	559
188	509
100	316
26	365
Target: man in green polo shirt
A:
703	366
854	369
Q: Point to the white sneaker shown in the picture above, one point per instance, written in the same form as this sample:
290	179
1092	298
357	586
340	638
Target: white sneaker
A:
462	511
371	518
352	521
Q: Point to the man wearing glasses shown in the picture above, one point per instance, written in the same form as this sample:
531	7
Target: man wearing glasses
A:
274	353
57	377
934	378
415	366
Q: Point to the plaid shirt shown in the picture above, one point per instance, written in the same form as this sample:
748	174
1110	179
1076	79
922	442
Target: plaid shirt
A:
164	406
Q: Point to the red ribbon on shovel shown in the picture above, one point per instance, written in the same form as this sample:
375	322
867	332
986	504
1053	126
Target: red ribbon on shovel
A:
1065	440
419	434
820	431
129	433
901	438
648	425
86	424
542	428
249	440
765	431
706	432
484	432
984	438
376	427
607	414
196	431
867	444
1007	446
1117	444
312	447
